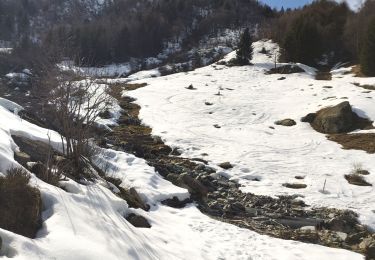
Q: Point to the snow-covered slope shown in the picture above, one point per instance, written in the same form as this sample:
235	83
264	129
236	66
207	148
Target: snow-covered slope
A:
246	109
87	221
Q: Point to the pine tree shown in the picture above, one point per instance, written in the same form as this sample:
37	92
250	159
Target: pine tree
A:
367	58
302	42
245	50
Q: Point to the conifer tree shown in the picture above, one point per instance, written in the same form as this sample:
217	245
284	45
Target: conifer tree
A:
245	50
367	58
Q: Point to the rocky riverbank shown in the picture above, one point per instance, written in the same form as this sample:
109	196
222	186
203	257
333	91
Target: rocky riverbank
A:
286	217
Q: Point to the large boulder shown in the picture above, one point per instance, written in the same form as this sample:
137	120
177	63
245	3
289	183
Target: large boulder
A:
336	119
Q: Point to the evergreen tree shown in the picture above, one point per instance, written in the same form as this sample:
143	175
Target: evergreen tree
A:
367	58
245	50
302	42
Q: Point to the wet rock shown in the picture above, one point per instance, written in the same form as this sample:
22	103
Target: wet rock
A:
176	203
193	185
138	221
286	122
22	158
226	165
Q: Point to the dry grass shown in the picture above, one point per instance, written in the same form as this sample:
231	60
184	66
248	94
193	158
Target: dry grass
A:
20	204
356	70
356	179
364	142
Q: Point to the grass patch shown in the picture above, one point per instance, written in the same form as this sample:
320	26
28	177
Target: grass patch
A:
20	204
364	142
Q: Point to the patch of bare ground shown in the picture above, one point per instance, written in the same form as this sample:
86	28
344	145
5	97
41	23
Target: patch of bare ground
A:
220	198
323	75
356	70
364	142
368	87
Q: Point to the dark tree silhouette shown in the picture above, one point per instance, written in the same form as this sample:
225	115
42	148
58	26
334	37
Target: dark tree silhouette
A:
244	52
368	51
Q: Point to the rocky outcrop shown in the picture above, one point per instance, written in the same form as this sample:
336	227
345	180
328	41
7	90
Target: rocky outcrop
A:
336	119
138	221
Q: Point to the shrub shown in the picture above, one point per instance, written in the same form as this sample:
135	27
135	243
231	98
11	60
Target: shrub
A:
20	204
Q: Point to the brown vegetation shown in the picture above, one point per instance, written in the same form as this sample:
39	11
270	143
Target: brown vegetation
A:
20	204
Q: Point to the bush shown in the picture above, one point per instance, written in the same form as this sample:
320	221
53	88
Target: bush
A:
367	58
20	204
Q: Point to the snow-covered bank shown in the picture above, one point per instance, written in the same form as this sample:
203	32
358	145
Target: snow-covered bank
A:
87	221
244	114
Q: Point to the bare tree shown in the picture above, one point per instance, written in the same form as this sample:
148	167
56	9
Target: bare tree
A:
73	103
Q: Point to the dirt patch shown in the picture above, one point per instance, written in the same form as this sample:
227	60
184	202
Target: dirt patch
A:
356	70
286	69
364	142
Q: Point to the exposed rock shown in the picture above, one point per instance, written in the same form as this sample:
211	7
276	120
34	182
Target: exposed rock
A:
357	179
37	150
309	118
193	185
282	78
191	87
176	203
295	185
134	194
286	69
286	122
138	221
208	103
226	165
336	119
22	158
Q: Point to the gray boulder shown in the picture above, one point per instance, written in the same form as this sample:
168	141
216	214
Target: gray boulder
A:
334	120
286	122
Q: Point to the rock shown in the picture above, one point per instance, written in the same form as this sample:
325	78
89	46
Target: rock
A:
286	69
355	238
356	179
286	122
22	158
176	203
37	150
282	78
309	118
226	165
134	194
295	185
251	212
208	103
138	221
336	119
370	251
193	185
191	87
